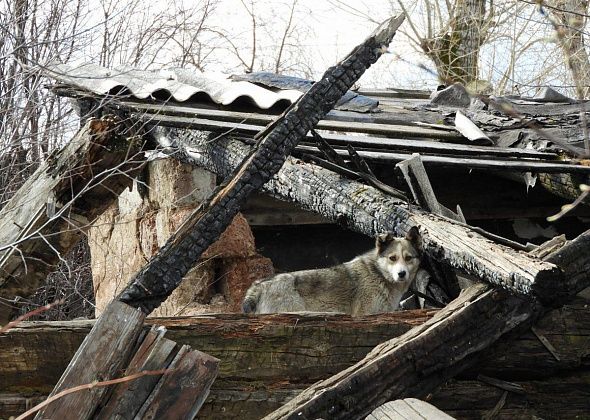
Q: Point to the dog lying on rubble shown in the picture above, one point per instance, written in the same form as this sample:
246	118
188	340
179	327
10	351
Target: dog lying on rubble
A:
370	283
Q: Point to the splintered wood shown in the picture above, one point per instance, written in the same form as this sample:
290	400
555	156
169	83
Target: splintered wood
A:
175	386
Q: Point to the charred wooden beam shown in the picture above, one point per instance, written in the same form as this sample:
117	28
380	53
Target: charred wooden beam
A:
362	208
154	283
50	212
417	362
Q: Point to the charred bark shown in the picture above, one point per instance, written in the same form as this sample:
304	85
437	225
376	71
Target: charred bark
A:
154	283
364	209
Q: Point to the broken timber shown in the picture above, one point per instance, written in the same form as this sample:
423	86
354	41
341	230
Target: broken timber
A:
364	209
295	350
415	363
48	214
176	387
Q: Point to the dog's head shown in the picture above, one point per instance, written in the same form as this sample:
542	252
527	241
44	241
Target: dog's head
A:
399	257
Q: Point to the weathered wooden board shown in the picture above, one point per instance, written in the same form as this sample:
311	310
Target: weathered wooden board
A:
407	409
293	347
125	399
101	356
292	352
181	393
47	215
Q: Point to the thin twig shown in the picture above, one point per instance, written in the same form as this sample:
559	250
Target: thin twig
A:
34	312
90	386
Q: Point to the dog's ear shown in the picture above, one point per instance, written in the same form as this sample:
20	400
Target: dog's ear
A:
413	236
383	240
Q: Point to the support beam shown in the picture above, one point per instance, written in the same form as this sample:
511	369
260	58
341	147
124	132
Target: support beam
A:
48	214
366	210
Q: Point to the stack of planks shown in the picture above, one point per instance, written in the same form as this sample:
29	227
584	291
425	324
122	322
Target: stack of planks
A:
160	379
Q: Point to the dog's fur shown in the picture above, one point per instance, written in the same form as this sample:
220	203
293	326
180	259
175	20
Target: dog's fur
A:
371	283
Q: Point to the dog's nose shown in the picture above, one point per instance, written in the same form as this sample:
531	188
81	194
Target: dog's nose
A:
401	274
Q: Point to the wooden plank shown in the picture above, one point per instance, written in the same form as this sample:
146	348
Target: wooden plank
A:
464	162
54	207
433	147
416	178
125	399
365	128
298	346
101	356
181	393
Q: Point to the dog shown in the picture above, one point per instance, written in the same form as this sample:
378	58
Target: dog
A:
369	284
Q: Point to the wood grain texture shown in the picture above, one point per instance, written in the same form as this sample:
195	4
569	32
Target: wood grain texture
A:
267	360
180	393
101	356
126	399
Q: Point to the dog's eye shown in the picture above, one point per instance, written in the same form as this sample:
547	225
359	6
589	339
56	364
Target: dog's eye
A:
393	258
408	257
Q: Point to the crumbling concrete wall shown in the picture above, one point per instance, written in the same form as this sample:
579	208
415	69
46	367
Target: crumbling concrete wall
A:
131	231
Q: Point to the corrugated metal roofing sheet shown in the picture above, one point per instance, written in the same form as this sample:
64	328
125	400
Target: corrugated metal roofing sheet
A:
177	84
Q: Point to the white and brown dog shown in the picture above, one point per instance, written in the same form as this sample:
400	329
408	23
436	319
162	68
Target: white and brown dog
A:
371	283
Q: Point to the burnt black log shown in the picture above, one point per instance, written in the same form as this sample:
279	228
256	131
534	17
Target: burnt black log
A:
154	283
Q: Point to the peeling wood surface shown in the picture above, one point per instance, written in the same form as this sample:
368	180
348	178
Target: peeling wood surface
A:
101	356
267	360
366	210
84	170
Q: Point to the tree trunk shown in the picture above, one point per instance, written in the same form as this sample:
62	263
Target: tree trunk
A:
571	20
455	52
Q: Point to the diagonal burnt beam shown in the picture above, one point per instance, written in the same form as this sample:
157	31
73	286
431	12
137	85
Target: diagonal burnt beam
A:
154	283
369	211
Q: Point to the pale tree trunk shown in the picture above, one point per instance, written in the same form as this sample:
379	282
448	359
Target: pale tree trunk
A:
455	51
570	20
